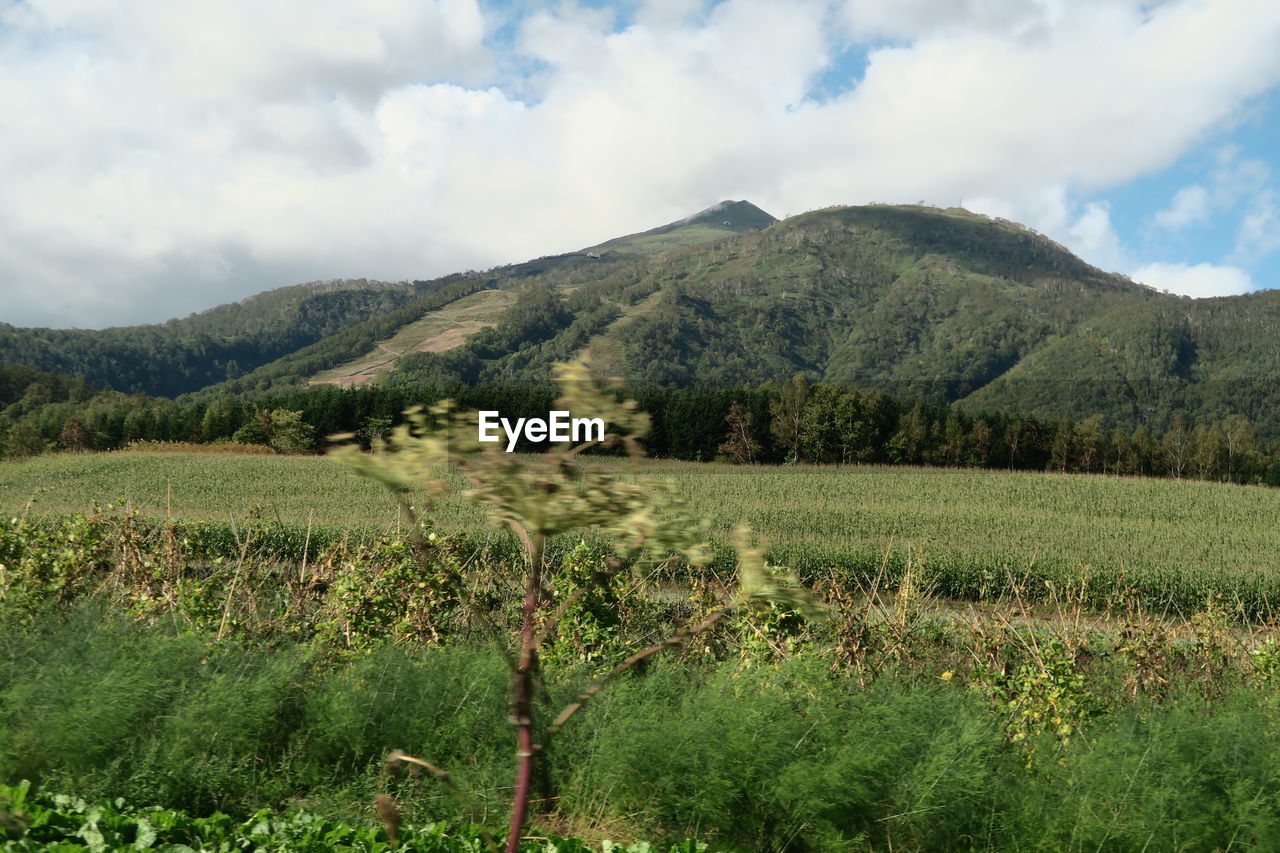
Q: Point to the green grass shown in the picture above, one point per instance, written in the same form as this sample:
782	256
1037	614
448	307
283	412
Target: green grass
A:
197	487
786	757
976	529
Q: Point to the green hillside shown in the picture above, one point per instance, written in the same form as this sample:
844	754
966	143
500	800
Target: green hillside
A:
945	306
942	305
719	220
880	296
222	343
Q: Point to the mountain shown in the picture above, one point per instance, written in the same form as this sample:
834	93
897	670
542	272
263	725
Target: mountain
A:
188	354
947	306
450	325
942	305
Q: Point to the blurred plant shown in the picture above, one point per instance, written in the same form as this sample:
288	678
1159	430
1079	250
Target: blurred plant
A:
1266	661
1212	651
537	497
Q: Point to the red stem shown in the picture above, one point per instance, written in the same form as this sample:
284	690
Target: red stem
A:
522	691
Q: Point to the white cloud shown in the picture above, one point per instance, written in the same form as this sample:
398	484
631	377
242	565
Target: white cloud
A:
1189	206
1197	281
911	19
1085	229
1241	185
1235	177
239	50
162	158
1093	237
1260	229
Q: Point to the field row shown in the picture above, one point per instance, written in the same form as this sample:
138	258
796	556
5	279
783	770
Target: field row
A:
978	532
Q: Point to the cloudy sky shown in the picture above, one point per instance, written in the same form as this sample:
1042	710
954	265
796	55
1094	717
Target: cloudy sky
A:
161	157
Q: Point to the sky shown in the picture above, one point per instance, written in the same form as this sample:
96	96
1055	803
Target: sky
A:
161	158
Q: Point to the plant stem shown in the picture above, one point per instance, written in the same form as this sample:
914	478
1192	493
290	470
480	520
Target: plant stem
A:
522	689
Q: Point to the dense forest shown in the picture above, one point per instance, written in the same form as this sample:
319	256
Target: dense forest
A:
789	422
223	343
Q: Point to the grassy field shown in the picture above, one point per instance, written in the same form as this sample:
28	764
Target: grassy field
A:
136	661
781	758
979	530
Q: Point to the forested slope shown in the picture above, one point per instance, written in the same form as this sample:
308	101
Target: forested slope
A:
944	306
187	354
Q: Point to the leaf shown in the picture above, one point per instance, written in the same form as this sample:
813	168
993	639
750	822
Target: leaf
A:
146	834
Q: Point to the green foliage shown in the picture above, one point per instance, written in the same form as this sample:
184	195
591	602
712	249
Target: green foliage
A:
1044	695
777	747
1266	661
42	565
281	429
23	440
19	382
604	612
391	594
1183	776
66	823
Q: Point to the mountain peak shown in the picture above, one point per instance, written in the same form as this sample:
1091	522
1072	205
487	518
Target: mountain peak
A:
734	215
720	220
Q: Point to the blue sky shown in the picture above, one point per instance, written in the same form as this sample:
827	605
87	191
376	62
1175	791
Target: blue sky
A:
1228	182
159	158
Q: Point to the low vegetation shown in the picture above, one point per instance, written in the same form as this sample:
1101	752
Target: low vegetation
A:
131	667
61	822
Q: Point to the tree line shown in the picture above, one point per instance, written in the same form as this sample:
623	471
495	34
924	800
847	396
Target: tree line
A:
774	423
824	423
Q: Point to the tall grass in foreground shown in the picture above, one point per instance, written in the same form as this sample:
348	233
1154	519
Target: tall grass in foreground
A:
751	755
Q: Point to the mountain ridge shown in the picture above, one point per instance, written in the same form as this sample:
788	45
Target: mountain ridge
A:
943	304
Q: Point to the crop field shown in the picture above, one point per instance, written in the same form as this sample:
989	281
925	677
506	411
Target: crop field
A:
230	695
979	532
